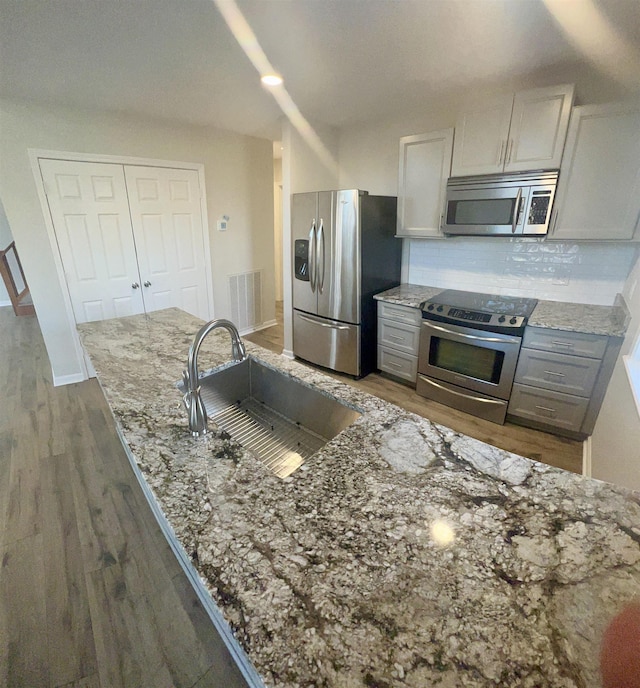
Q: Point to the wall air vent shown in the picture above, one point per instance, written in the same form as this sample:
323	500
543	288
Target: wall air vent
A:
245	296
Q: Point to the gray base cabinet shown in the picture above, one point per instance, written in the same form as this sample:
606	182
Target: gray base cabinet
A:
398	340
561	379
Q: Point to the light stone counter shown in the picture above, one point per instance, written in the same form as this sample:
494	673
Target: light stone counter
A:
582	317
408	294
557	315
342	574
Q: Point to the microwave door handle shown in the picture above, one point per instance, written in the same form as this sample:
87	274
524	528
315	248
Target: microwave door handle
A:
502	339
312	256
516	211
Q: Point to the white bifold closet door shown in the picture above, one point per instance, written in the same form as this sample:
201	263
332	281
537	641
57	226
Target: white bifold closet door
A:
130	237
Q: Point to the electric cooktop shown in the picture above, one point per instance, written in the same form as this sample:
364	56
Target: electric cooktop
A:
482	311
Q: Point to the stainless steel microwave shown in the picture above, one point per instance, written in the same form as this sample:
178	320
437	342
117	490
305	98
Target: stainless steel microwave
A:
500	205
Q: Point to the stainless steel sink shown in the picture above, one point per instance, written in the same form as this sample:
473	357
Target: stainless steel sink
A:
281	420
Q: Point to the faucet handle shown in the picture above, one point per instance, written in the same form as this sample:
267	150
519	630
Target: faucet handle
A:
238	350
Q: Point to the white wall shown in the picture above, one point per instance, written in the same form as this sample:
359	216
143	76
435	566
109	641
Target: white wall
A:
277	227
302	170
239	181
5	239
615	443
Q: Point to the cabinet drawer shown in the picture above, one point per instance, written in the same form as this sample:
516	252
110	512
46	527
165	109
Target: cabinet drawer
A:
397	363
396	335
544	406
561	341
405	314
559	372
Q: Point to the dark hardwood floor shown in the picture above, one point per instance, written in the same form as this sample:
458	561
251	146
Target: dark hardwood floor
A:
541	446
90	593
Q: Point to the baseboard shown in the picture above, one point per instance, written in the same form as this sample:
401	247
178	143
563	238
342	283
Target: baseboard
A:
288	354
60	380
251	330
586	457
5	302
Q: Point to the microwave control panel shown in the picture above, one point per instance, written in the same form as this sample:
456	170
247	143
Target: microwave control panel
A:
539	209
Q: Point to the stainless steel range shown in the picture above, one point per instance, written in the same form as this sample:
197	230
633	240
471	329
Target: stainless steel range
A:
469	347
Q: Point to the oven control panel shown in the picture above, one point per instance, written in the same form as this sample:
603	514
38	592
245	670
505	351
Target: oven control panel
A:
483	321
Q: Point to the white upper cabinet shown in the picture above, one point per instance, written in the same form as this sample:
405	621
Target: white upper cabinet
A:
481	137
538	128
598	195
425	165
513	133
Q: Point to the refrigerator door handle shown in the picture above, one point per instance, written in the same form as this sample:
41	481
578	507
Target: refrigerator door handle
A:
320	276
322	324
312	256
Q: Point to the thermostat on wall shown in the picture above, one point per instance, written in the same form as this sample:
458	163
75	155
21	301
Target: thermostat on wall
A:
222	223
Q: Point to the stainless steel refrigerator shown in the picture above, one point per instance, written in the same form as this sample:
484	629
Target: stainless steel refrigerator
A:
344	252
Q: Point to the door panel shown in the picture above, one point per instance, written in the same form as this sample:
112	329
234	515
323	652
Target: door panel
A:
167	225
598	194
327	343
481	137
90	214
304	217
538	128
340	299
111	236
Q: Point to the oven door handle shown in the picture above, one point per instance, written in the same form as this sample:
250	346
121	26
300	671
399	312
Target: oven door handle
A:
504	339
459	394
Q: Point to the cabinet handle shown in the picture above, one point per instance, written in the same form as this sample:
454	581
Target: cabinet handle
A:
552	372
135	285
501	152
396	337
509	152
567	344
549	411
147	283
393	365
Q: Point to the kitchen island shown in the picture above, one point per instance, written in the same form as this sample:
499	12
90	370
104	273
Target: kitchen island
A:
401	554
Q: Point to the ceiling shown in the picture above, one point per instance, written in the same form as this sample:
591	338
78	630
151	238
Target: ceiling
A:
344	61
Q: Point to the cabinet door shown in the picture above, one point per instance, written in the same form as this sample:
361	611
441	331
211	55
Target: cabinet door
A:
481	138
598	195
538	128
425	164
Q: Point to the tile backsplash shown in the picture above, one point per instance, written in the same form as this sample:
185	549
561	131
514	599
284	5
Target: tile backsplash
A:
557	271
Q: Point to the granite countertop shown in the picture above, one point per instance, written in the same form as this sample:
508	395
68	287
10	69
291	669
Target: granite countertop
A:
611	320
408	294
401	554
582	317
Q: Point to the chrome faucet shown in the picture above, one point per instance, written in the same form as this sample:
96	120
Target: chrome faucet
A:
192	399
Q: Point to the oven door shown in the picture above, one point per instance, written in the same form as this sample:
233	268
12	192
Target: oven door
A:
471	359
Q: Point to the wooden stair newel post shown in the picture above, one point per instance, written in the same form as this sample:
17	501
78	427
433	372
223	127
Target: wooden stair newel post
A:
15	282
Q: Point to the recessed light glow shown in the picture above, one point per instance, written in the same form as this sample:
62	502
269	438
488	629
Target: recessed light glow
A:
271	80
